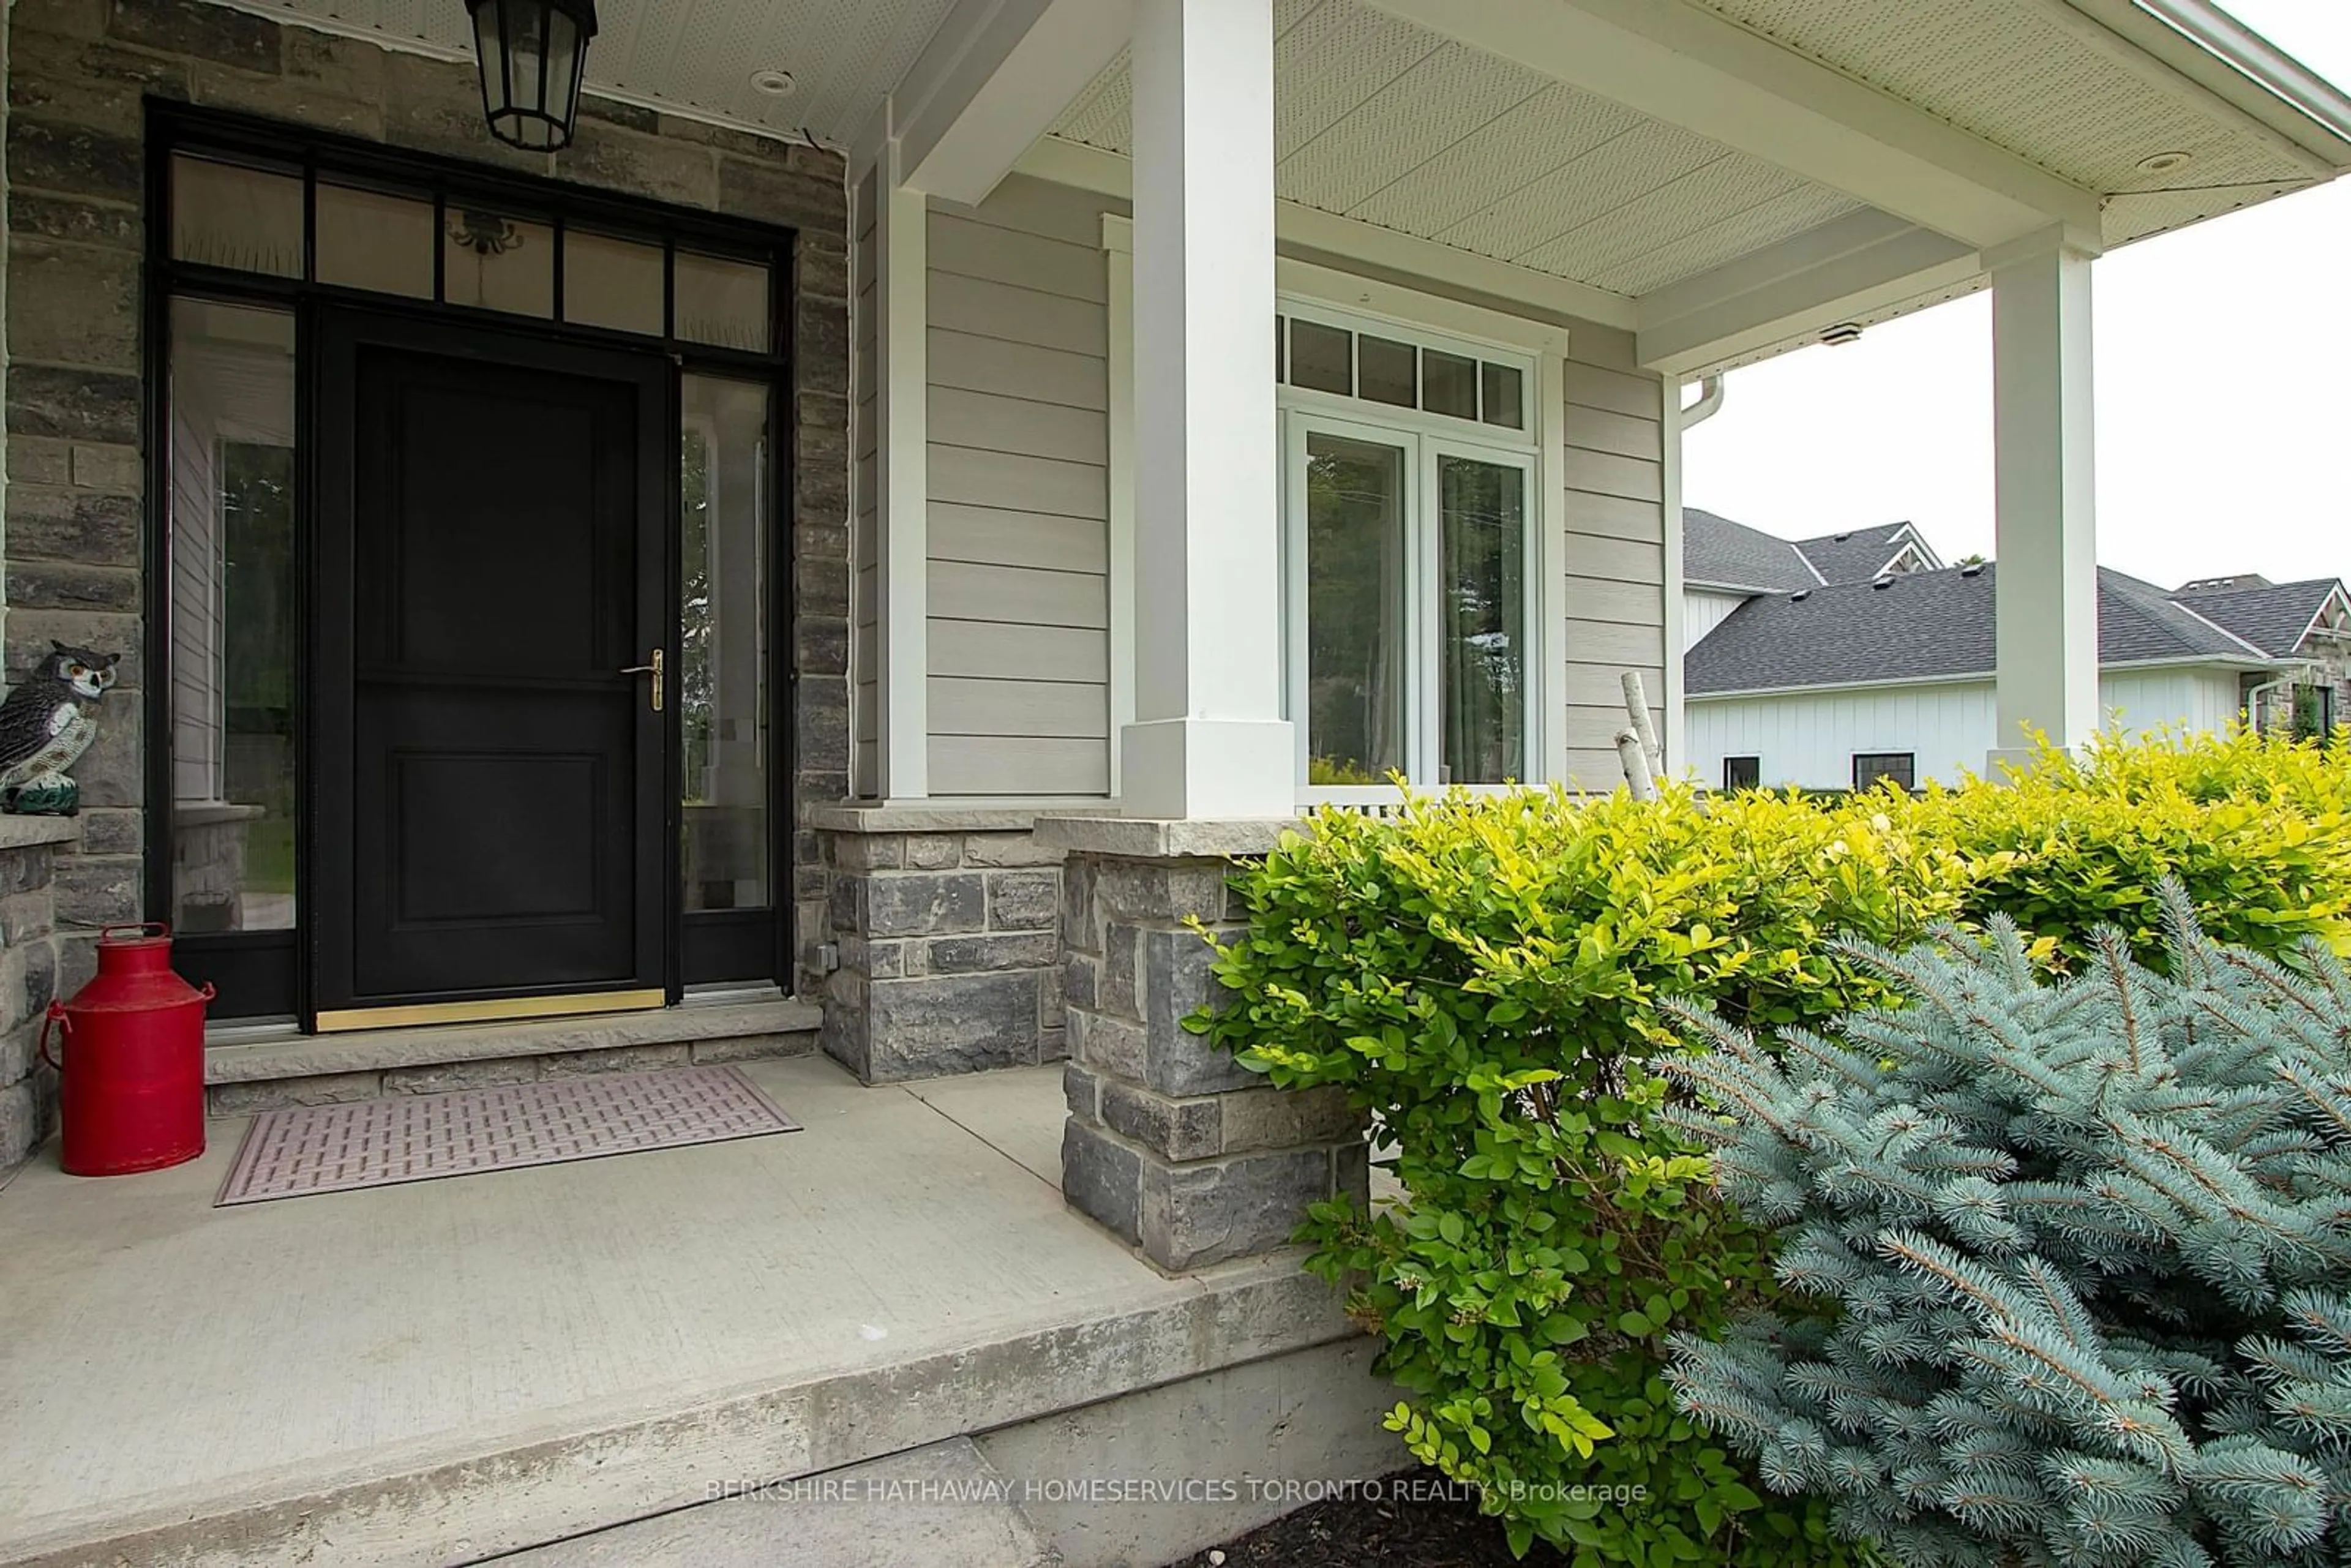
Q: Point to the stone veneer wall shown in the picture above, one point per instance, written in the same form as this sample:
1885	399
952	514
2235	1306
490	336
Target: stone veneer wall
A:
28	979
80	73
943	924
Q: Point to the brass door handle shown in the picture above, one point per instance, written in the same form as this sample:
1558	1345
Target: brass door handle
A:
653	669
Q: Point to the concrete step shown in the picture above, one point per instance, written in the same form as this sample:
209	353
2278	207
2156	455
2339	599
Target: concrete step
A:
943	1506
245	1070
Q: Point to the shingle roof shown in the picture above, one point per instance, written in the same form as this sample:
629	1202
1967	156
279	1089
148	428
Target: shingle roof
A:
2272	617
1855	556
1922	626
1718	552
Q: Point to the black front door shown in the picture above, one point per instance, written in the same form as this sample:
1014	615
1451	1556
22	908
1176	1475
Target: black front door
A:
490	757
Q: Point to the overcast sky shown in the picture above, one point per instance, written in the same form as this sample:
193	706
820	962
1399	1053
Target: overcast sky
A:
2223	442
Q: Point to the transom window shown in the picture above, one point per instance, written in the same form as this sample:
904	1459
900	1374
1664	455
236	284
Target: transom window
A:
1381	365
1410	541
385	237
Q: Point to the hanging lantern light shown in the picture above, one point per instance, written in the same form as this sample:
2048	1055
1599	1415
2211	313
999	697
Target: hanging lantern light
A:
532	54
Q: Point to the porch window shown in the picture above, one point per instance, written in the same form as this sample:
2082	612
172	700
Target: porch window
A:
1409	550
233	617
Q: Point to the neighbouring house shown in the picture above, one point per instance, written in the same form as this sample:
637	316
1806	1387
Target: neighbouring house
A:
1888	670
2309	622
1724	564
834	558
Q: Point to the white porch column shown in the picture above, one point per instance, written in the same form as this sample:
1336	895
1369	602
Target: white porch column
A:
2047	581
1209	739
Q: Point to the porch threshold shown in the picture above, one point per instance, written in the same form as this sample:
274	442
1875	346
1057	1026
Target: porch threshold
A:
694	1030
452	1370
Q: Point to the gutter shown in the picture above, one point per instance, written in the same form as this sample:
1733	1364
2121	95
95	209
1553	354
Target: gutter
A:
2256	59
2191	46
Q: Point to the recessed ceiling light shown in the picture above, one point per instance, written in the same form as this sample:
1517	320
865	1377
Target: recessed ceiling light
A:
772	82
2163	162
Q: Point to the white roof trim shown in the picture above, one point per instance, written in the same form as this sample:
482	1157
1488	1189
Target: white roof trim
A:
2335	595
2242	642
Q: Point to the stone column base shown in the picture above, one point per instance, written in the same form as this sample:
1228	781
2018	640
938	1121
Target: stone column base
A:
941	929
28	978
1171	1143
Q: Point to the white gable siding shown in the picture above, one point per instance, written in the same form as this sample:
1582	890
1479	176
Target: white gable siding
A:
1019	634
1703	609
1810	738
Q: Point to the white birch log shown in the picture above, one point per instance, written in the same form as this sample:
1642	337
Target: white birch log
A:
1637	708
1635	761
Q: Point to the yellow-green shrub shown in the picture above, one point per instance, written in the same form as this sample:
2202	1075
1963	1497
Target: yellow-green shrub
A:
1483	973
2256	828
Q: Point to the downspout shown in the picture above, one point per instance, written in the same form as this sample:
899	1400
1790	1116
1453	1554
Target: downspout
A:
1709	403
2253	703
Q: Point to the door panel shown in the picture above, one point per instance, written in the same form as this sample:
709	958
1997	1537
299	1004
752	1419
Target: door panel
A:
495	519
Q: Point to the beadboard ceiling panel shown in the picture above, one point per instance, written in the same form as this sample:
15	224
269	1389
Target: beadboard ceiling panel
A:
2036	78
1381	120
697	56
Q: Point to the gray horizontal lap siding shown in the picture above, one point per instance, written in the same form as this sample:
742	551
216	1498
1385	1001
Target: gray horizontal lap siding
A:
1614	474
1018	421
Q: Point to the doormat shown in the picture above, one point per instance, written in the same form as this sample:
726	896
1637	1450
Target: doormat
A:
306	1149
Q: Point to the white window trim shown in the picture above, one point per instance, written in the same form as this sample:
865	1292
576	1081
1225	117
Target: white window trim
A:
1541	349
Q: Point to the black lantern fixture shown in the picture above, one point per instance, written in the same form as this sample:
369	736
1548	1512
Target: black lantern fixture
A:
532	54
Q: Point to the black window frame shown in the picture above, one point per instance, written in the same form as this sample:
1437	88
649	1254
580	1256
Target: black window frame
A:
1868	769
1732	771
718	948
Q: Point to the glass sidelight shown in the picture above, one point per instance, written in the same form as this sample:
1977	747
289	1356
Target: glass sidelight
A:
234	628
723	645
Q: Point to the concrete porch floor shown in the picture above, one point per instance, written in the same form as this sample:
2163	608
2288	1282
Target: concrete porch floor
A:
453	1369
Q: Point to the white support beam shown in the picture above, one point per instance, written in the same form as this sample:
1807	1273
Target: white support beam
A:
1687	66
994	78
902	413
1209	739
1847	267
1300	229
2045	485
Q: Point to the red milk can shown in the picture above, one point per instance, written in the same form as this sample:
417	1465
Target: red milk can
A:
131	1087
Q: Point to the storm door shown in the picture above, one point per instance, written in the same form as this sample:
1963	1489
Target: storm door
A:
491	730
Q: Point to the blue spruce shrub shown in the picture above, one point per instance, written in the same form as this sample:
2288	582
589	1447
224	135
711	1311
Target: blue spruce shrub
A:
2081	1250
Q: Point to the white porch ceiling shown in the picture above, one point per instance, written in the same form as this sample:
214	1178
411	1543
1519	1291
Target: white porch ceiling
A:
696	56
1381	120
2047	83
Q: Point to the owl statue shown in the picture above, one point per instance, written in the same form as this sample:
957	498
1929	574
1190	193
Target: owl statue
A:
45	726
